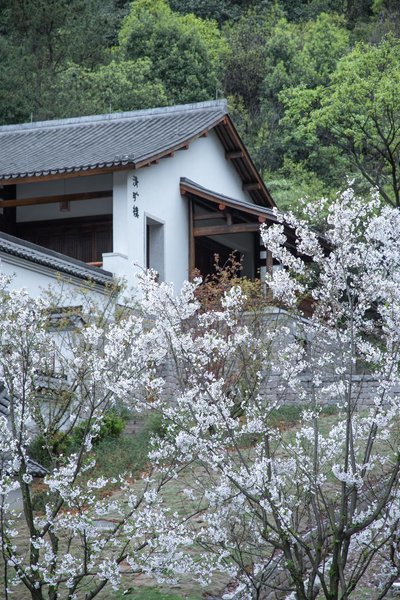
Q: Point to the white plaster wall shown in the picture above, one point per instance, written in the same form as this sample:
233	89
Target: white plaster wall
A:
78	208
119	261
159	199
205	163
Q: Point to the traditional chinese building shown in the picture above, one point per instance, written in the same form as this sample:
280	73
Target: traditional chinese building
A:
97	197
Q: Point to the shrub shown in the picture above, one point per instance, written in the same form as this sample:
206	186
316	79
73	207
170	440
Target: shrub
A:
112	425
44	450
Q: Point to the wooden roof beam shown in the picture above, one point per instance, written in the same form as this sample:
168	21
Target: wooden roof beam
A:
225	229
187	190
229	130
53	199
207	217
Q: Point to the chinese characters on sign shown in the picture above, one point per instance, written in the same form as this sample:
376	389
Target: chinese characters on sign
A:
135	196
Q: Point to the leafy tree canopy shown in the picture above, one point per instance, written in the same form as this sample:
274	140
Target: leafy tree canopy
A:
244	60
184	50
38	38
117	86
220	10
357	112
296	55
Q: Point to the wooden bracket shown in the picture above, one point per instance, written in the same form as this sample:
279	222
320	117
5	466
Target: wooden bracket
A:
251	186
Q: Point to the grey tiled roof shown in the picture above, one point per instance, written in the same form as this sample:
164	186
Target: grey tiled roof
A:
33	468
86	143
4	401
54	260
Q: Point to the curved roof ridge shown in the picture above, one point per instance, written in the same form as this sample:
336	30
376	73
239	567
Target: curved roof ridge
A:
120	116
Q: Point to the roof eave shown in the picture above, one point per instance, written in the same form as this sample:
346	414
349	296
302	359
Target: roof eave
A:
88	170
67	173
193	189
232	141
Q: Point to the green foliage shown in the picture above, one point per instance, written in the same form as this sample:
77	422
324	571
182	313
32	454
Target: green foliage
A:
305	10
38	38
44	450
128	453
294	182
357	113
219	10
124	454
112	426
118	86
155	425
48	451
244	58
290	414
299	56
183	50
40	498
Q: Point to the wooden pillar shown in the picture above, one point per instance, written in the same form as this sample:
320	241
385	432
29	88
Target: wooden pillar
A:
266	265
270	262
9	217
257	262
192	250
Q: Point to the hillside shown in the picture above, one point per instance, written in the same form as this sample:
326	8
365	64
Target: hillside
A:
312	85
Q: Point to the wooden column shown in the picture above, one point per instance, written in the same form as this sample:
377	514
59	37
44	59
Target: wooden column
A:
270	262
257	252
9	217
192	251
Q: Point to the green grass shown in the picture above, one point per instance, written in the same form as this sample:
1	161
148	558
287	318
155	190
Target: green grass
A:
290	414
127	453
153	594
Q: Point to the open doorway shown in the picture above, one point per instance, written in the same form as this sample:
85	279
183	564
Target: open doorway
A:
155	247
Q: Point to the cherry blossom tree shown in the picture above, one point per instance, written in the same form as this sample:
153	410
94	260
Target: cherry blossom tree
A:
63	367
311	512
297	514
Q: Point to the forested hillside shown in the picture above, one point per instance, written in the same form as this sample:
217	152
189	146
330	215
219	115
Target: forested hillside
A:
313	85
